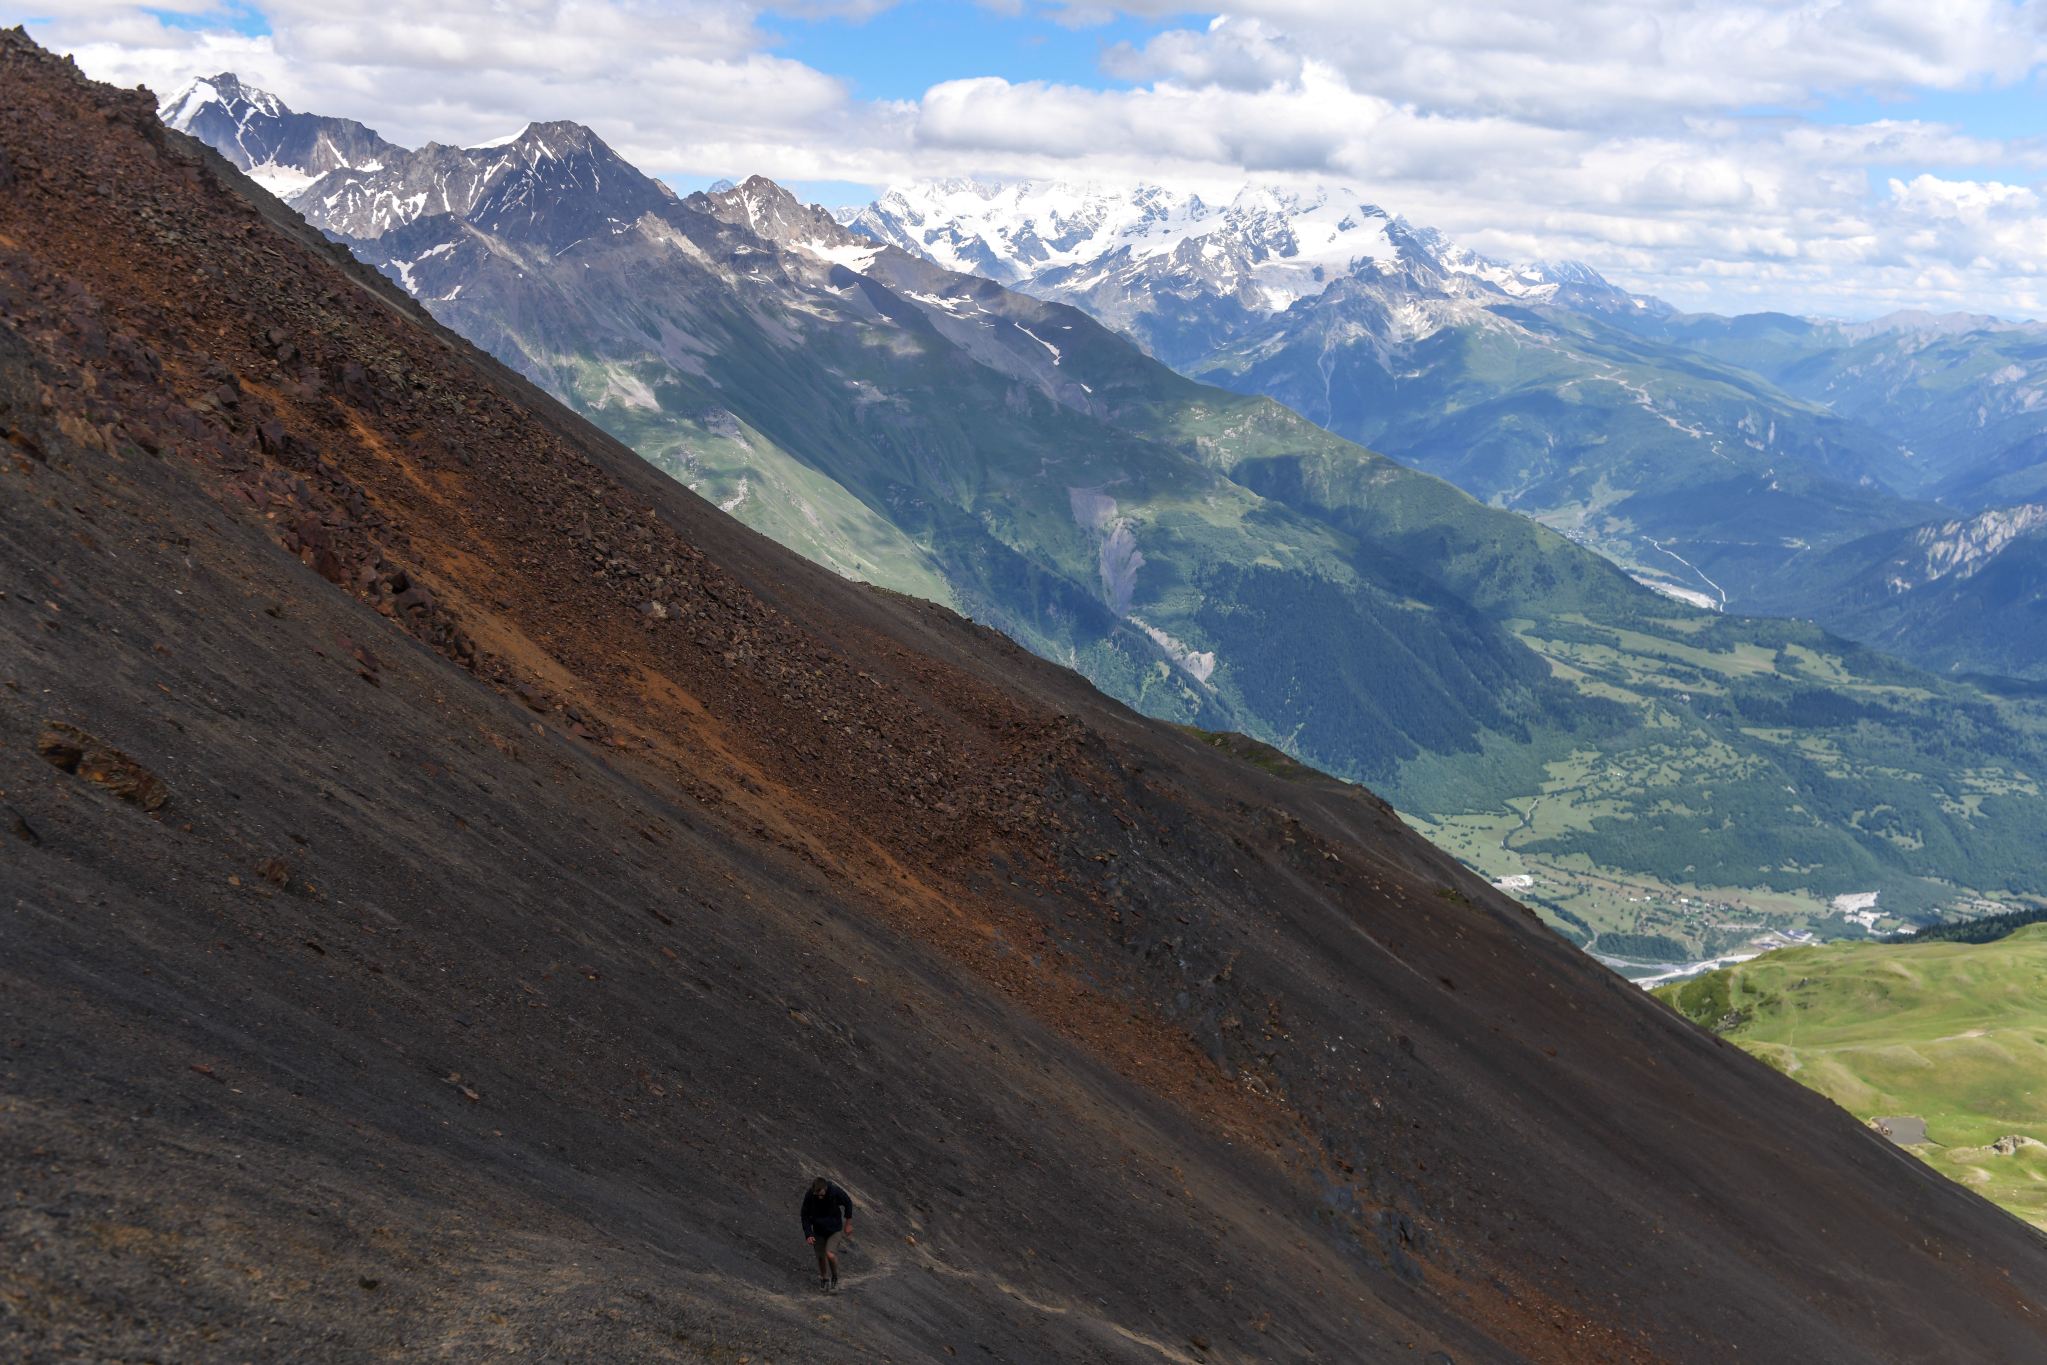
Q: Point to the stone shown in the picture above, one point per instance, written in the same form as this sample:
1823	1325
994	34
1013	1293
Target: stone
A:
359	653
22	441
72	750
136	356
92	338
354	383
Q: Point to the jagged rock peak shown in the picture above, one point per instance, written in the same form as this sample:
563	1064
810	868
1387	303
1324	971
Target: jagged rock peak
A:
560	178
282	150
771	212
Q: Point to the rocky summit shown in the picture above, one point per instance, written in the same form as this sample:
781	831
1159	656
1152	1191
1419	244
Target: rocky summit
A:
460	887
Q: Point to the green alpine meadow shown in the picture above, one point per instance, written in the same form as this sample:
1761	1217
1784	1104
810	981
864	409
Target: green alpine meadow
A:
1950	1033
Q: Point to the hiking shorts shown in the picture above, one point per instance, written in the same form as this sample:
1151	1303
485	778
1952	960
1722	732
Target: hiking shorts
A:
828	1242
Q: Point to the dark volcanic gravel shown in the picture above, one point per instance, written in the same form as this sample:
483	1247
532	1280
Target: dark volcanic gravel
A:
458	887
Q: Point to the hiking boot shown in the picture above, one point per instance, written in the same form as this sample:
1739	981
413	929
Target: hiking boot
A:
824	1285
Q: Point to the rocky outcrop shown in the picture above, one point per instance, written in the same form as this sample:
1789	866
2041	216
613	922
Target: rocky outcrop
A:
1959	549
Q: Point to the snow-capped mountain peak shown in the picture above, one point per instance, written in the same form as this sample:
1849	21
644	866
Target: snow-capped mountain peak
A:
1278	243
559	180
279	149
1132	254
226	90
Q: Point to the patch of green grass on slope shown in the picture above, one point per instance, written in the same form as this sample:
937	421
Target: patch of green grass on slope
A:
1954	1033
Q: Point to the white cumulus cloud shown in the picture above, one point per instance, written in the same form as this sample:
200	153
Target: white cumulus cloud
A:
1680	146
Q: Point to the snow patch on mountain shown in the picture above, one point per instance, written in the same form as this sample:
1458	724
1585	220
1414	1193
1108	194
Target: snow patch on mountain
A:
180	109
282	181
507	140
855	258
1269	245
630	390
1040	340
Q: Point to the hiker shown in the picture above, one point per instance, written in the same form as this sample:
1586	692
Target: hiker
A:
827	1217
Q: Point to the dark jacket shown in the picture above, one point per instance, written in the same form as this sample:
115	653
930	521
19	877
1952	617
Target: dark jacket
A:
827	1213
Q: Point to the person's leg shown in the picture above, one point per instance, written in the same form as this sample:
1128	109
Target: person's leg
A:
830	1255
824	1273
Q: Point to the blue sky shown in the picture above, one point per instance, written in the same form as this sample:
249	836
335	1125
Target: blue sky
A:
904	51
2018	110
1696	149
2012	113
234	17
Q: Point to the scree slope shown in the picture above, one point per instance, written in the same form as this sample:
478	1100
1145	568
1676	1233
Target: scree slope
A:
458	886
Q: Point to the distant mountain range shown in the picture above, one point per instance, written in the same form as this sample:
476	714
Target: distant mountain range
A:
1185	277
1215	558
1965	393
1734	461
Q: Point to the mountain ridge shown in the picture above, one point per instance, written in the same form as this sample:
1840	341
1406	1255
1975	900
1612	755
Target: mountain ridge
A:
1217	560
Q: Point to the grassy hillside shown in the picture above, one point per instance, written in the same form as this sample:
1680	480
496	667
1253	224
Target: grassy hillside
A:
1954	1033
1684	469
1958	392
